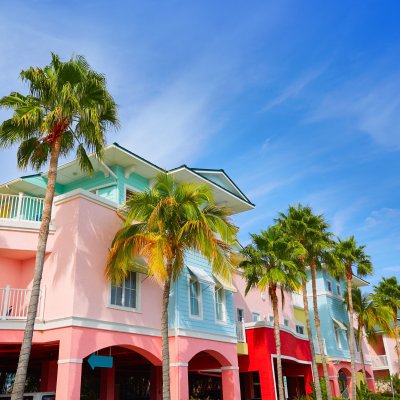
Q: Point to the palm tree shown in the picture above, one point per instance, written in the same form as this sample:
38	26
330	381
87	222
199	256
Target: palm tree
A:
162	224
311	231
269	263
388	292
370	314
68	108
349	255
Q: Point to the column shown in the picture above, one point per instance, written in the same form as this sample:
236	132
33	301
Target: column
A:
107	384
179	381
267	383
230	383
69	379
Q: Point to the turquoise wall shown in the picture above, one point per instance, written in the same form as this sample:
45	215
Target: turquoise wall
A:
330	307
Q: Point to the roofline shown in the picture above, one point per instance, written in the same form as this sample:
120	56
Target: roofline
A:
227	176
137	156
361	279
184	166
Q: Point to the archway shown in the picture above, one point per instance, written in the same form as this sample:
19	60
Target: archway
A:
205	378
343	381
132	375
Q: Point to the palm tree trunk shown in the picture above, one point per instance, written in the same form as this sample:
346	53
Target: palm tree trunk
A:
349	276
397	333
360	347
317	384
166	391
281	390
20	377
318	329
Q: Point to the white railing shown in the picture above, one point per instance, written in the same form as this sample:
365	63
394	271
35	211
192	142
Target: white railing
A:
21	207
14	303
298	300
240	332
379	361
316	346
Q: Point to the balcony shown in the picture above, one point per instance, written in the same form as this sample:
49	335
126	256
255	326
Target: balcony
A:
20	208
298	300
380	362
316	346
14	303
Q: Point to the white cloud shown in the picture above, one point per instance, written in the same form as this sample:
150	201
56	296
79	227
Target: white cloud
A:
370	104
295	88
382	218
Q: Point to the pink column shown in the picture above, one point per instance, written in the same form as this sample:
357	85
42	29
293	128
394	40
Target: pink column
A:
179	381
230	383
69	379
107	389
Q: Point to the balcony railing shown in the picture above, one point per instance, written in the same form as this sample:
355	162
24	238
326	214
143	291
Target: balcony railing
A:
316	346
240	332
14	303
20	207
298	300
379	362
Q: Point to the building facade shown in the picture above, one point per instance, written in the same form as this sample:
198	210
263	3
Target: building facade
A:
221	341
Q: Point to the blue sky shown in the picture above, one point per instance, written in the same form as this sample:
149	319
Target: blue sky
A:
297	101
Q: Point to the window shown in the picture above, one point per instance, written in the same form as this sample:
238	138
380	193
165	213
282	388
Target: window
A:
300	329
286	322
220	304
337	335
339	292
329	286
255	316
125	294
240	314
355	339
271	318
194	297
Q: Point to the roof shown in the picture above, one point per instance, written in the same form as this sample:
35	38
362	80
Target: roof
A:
226	192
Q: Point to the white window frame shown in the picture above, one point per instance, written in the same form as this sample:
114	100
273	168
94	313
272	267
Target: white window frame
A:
96	188
253	314
300	325
130	188
137	309
200	299
237	314
337	330
329	286
224	316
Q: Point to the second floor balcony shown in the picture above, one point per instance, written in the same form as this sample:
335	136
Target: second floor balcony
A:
14	303
380	362
16	208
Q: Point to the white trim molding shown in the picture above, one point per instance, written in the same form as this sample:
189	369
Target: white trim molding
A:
179	364
70	361
230	368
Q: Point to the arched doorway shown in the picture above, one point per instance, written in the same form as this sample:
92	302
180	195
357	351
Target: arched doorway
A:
343	384
205	378
132	376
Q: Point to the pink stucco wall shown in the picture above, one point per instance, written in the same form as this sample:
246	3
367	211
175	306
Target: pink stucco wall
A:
258	302
73	274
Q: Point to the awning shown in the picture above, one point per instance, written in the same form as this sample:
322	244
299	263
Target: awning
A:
340	324
201	275
225	283
138	265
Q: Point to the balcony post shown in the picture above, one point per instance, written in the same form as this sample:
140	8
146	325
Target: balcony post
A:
5	306
19	206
